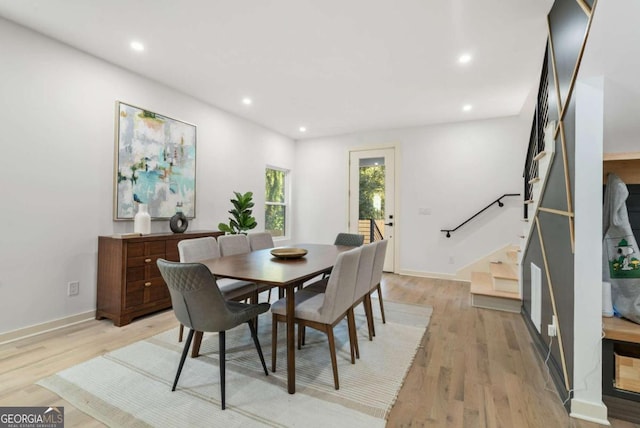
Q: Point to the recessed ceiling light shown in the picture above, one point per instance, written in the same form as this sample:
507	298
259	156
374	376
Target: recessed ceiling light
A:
247	101
467	107
303	129
137	46
464	58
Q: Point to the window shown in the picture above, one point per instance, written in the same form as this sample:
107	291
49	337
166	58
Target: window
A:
275	205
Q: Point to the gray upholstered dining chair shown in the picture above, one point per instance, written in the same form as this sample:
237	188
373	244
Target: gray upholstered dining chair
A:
363	286
260	241
233	244
199	305
323	311
199	249
350	239
376	278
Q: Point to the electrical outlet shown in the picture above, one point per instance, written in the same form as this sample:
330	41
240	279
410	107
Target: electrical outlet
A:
552	329
73	288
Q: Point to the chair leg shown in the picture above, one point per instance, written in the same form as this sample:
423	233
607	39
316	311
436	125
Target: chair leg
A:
353	335
274	342
185	351
368	310
254	335
332	350
381	304
373	324
301	331
254	300
223	364
180	333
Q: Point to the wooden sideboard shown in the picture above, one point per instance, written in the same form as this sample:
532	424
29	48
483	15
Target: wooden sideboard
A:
129	282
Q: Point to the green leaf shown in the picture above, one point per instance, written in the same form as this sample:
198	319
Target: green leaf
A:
241	214
224	228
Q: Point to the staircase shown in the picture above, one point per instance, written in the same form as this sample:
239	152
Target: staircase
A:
498	289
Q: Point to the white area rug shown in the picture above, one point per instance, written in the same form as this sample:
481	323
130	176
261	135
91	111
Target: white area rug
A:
131	387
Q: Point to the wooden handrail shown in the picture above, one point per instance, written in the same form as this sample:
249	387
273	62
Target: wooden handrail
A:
498	201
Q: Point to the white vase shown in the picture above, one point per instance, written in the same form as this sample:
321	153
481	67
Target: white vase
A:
142	220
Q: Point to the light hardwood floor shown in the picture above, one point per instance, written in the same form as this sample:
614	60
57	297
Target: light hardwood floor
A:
475	368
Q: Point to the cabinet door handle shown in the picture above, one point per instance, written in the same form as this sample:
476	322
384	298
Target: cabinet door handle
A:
147	260
147	284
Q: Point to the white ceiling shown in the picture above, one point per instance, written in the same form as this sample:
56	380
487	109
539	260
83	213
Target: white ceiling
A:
334	66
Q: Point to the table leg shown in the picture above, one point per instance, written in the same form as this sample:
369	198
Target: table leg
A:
291	348
197	341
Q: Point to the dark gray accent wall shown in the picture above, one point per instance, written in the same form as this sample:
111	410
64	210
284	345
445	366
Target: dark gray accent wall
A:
568	25
555	194
554	113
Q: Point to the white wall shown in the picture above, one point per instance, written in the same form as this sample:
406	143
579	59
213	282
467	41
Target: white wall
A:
57	116
621	116
587	341
453	170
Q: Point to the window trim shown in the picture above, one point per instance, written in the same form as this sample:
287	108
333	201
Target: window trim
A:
286	204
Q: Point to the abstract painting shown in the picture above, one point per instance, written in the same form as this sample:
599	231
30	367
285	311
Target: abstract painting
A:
155	164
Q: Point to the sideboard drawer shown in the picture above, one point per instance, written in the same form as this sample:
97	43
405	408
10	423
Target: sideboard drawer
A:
138	249
144	261
145	291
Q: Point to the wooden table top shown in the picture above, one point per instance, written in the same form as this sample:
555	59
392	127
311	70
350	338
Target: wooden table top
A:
260	266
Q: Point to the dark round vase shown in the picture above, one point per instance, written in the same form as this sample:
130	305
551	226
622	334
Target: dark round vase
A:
178	223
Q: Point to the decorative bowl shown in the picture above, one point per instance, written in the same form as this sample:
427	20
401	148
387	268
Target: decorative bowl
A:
288	253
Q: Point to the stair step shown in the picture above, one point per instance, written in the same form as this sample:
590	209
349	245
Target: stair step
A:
481	283
504	271
484	296
512	255
534	180
529	201
505	277
540	155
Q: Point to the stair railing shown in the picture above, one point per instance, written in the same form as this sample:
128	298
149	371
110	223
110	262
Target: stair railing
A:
536	138
374	231
497	201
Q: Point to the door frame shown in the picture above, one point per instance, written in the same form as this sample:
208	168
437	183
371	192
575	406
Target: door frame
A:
396	190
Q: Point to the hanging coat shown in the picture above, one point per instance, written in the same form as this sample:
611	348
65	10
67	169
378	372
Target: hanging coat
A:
620	257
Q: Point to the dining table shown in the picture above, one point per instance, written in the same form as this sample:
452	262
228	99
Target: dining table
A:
285	273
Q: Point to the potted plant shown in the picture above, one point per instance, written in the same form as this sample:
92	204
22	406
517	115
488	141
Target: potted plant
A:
242	219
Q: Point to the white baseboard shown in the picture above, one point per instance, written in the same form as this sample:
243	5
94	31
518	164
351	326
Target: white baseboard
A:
33	330
436	275
588	411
